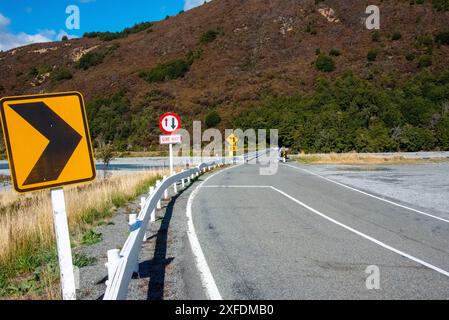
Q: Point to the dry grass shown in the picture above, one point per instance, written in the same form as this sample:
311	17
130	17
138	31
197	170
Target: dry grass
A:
360	159
26	224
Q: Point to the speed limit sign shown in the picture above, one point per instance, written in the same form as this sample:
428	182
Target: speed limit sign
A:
169	123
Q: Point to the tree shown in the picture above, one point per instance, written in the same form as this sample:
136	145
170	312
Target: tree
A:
106	154
324	63
371	56
212	119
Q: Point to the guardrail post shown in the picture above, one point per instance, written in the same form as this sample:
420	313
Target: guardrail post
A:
188	179
182	183
166	190
153	213
132	221
143	200
158	206
175	187
111	265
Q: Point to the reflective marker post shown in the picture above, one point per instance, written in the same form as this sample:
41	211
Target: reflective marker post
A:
63	244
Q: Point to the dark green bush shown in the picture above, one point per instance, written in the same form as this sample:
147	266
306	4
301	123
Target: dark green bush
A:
375	37
40	70
2	88
212	119
90	59
440	5
109	36
62	74
396	36
416	139
425	61
410	56
310	28
442	38
166	71
324	63
137	28
335	52
209	36
372	55
425	40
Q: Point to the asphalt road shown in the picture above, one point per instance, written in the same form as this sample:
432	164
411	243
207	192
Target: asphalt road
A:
295	235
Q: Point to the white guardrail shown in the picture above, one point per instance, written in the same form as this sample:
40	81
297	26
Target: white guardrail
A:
123	263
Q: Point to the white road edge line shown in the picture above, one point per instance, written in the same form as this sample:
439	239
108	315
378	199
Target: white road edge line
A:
380	243
233	186
207	279
369	194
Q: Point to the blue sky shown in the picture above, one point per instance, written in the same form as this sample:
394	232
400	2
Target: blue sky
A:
29	21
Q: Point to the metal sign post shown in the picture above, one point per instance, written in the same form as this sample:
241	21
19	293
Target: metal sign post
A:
63	244
171	158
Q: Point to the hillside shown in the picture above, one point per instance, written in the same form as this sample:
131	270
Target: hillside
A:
237	56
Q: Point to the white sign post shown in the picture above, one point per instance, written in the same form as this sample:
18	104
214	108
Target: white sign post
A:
169	123
63	244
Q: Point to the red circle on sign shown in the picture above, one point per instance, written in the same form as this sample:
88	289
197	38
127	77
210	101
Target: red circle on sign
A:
168	125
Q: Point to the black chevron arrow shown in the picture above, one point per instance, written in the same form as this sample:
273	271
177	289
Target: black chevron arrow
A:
63	141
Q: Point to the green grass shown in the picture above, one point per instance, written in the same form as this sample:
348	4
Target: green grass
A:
82	260
90	237
39	270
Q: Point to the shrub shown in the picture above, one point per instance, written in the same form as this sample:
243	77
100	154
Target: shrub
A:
137	28
194	55
372	55
396	36
416	139
40	70
212	119
166	71
425	40
109	36
442	38
65	38
324	63
209	36
440	5
2	88
375	36
335	52
90	59
310	29
62	74
425	61
410	56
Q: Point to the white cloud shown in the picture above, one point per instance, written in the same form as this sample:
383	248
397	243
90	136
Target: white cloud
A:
4	21
189	4
9	40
